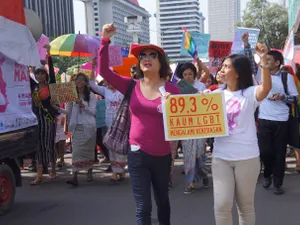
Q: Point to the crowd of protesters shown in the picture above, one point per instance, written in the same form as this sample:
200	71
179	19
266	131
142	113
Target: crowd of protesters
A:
259	111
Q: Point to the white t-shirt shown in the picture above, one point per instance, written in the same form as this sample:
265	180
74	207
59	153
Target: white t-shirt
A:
2	99
112	100
277	110
241	144
199	85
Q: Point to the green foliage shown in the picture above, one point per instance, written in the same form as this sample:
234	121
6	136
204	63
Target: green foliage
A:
58	78
271	19
64	63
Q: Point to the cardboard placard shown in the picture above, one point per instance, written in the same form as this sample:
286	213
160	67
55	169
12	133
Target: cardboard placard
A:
195	116
63	92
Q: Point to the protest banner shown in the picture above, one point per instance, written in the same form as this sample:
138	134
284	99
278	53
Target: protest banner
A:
124	70
195	116
15	96
63	92
44	40
115	55
202	43
218	50
238	44
186	88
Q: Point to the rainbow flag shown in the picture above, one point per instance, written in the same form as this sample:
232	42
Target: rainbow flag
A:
189	43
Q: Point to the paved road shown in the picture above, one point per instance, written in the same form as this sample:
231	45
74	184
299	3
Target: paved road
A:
55	203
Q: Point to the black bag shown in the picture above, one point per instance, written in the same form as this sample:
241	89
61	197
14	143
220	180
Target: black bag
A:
116	138
293	122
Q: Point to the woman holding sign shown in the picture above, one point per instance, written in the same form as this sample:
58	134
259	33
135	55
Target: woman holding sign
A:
46	116
193	149
149	160
82	127
235	162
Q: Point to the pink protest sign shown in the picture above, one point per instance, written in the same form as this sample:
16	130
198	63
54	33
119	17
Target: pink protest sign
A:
44	40
115	56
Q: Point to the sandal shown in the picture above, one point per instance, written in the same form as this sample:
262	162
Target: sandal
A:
120	177
52	176
37	181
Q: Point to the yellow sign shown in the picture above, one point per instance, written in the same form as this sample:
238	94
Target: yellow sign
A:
63	92
195	116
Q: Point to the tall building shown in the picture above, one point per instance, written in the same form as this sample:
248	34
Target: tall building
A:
222	18
57	16
115	11
171	17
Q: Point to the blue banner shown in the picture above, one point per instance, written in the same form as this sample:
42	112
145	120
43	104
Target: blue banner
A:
202	42
238	44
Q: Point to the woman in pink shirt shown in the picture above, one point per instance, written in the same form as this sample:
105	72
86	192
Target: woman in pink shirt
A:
149	160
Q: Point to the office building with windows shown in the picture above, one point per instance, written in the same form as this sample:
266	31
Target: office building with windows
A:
57	16
107	11
222	18
171	17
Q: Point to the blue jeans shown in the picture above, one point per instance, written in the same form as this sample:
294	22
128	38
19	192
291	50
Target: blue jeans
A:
145	169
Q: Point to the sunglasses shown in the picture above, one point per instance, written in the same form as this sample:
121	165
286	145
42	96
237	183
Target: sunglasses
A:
151	56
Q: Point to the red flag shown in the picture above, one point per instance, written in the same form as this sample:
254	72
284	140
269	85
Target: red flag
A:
13	10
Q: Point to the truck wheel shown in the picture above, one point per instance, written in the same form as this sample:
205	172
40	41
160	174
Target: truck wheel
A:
7	189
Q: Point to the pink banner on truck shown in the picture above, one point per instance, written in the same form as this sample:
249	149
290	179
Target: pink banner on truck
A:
15	96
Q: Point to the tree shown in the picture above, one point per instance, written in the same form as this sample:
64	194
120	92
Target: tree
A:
63	63
271	19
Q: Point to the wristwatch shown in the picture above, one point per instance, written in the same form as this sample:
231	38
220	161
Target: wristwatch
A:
264	66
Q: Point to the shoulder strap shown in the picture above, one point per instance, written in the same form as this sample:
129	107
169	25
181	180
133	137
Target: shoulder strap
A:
130	89
284	77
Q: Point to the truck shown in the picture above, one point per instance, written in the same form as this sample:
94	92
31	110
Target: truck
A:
18	124
18	128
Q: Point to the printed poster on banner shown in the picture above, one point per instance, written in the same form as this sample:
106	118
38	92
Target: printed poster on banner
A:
15	97
115	55
218	50
195	116
238	44
202	42
63	92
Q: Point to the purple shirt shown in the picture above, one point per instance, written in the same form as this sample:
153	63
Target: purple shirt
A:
147	128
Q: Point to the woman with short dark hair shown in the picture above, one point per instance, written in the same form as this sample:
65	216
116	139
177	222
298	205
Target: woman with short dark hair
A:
235	162
149	159
193	149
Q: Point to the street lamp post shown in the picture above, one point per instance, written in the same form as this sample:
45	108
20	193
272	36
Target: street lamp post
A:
134	26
